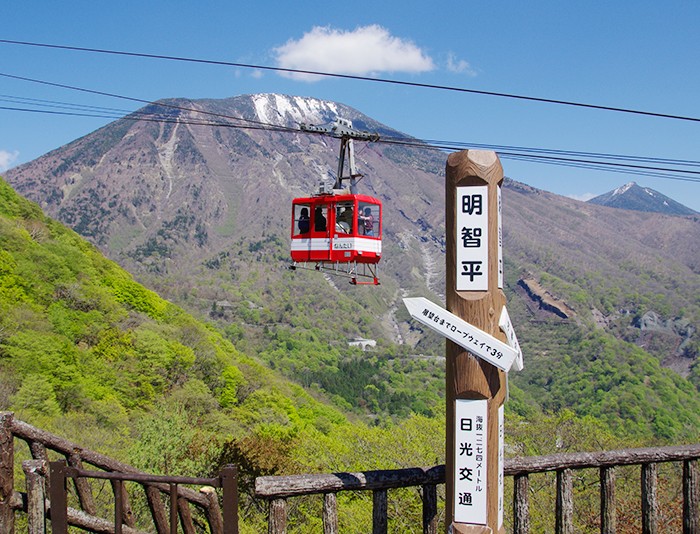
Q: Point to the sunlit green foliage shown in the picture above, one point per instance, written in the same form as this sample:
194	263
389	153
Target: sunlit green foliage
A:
383	382
87	352
619	384
79	337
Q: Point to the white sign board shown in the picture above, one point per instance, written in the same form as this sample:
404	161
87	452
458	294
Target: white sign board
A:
476	341
470	461
472	238
507	327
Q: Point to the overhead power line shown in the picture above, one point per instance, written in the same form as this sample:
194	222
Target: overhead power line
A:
122	97
539	155
575	159
137	116
360	78
594	161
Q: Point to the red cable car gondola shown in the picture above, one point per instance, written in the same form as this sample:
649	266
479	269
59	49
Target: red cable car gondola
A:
339	230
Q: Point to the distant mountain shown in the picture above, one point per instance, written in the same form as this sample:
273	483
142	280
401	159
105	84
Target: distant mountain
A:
634	197
199	210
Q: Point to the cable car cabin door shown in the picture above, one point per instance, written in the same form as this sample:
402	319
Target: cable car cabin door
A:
344	234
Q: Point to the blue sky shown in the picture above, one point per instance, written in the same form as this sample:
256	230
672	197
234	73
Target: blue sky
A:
635	55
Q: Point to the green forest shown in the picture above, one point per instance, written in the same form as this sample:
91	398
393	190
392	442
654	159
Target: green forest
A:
88	353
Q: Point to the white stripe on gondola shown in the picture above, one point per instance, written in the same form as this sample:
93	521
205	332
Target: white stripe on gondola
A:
360	244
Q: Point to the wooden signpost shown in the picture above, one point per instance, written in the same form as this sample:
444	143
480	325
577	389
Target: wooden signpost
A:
481	343
475	388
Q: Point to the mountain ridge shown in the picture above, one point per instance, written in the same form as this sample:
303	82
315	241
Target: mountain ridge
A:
197	211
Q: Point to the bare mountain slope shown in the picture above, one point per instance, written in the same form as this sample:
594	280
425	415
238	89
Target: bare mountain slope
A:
156	194
610	266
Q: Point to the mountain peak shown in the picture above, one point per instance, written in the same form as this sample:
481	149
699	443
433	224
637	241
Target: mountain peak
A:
622	190
634	197
279	109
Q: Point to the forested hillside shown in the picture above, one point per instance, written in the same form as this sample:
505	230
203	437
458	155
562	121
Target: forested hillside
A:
82	344
94	356
88	353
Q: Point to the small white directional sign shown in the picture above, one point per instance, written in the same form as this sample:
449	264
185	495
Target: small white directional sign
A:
476	341
509	331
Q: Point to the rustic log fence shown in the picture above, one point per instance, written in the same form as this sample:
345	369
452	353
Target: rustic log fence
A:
40	479
278	489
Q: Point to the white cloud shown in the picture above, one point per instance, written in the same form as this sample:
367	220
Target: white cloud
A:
7	159
583	197
365	50
459	66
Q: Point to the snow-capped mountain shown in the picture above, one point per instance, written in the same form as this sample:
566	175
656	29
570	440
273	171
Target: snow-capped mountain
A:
194	197
634	197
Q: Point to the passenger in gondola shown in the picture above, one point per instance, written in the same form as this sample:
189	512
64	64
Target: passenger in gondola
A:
345	220
319	220
304	221
367	221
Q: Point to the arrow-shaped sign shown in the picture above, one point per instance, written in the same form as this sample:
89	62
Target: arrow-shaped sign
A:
509	331
474	340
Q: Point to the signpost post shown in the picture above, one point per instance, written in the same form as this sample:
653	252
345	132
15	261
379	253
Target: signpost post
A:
475	388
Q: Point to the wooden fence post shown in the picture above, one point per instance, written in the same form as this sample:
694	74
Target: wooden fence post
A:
229	483
430	510
330	513
7	481
608	513
380	522
35	479
521	504
277	523
473	293
565	502
58	498
691	497
650	504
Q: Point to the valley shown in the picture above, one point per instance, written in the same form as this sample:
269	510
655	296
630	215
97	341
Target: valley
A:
199	216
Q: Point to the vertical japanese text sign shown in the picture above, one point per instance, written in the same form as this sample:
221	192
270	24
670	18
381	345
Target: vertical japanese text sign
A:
475	388
470	461
472	244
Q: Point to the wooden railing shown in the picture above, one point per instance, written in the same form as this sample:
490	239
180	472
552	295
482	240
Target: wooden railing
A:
157	489
277	489
60	472
606	462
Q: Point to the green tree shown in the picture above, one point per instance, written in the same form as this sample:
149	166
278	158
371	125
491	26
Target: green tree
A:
36	397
